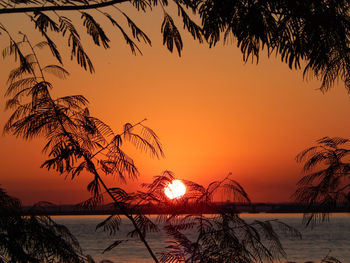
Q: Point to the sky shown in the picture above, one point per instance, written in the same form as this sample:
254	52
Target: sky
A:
213	113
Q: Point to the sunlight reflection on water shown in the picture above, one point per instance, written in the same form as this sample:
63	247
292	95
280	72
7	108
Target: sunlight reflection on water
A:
331	236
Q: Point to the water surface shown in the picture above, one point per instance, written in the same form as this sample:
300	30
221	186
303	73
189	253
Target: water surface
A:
332	236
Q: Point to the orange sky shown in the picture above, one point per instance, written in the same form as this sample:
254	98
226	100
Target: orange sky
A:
213	113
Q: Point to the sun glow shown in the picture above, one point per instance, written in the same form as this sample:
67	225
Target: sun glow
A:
175	189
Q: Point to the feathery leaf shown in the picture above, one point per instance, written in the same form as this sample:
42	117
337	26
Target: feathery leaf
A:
171	34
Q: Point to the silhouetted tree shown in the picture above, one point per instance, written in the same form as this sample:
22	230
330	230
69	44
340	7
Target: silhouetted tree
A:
76	141
327	184
34	239
312	34
223	237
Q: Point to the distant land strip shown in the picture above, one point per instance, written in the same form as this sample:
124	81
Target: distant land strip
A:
193	208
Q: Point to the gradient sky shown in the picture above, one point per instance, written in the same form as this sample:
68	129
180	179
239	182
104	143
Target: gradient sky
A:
213	113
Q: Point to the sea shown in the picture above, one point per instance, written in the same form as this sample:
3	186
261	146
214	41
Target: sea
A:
328	238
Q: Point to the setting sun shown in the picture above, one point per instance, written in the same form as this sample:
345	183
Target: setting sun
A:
175	189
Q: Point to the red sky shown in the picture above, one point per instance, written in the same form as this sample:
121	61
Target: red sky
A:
213	113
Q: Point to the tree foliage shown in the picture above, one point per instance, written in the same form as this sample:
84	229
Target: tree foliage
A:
326	185
76	141
34	239
196	237
313	35
310	33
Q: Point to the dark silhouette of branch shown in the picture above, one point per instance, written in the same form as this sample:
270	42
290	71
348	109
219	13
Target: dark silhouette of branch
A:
221	237
72	133
60	7
327	182
35	238
295	31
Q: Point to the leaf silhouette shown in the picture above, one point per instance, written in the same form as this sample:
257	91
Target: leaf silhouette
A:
43	22
192	27
113	245
171	34
95	30
136	31
77	49
128	40
325	185
56	70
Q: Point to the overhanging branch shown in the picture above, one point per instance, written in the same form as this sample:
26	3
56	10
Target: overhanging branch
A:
59	8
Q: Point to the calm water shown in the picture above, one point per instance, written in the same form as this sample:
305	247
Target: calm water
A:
332	236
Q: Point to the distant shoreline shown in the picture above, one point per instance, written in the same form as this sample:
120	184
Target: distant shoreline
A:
211	208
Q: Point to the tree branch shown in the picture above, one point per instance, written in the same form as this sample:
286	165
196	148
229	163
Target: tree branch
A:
59	8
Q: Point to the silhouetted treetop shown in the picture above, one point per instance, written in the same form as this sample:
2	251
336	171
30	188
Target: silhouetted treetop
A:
221	237
35	239
76	141
326	184
313	35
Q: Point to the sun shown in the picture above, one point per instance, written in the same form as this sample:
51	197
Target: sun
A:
175	189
